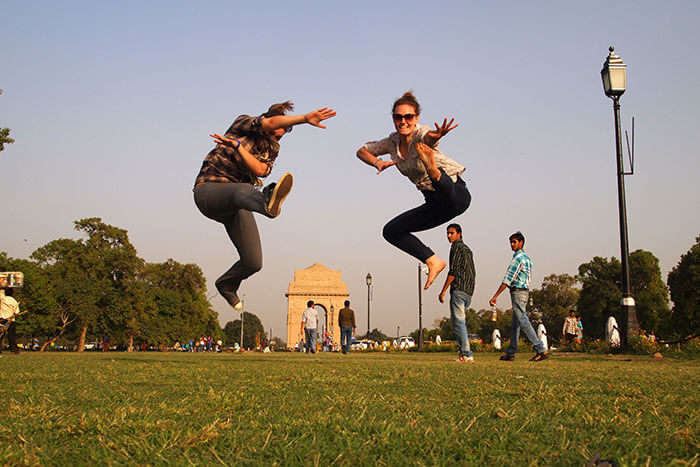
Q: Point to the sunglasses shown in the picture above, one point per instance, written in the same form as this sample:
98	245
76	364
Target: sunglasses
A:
407	117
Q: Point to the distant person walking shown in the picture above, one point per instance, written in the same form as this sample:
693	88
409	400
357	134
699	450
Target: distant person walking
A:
413	150
517	279
309	325
9	308
542	335
460	280
570	327
346	321
579	330
225	189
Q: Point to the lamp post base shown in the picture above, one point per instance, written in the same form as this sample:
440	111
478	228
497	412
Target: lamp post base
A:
630	312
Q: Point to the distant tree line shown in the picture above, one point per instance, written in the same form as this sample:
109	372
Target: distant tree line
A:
81	290
595	294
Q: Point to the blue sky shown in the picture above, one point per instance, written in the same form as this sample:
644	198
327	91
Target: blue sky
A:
111	106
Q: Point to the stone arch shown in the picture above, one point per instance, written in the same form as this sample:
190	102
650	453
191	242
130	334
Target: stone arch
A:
325	287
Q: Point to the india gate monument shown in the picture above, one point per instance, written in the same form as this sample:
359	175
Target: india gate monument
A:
325	287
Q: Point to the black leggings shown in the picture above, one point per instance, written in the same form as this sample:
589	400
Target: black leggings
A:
448	201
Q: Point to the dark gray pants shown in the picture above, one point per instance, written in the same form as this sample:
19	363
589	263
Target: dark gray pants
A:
233	205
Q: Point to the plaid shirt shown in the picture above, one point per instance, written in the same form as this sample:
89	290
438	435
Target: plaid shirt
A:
519	271
224	165
462	268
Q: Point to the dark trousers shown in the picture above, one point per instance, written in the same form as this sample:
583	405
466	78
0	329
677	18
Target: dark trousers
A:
11	332
233	204
449	200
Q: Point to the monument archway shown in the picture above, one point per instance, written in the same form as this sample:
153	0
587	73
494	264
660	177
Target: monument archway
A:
325	287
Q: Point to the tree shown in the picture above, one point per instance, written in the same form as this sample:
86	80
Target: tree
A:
684	283
37	297
90	275
557	296
601	292
649	291
377	336
252	326
5	136
502	323
177	293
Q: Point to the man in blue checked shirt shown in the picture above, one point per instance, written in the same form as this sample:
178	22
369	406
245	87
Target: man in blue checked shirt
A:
517	279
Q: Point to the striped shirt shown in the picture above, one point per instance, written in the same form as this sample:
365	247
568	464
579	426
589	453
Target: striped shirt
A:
462	268
223	164
410	164
519	272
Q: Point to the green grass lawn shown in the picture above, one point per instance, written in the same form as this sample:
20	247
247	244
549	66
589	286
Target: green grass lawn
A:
359	409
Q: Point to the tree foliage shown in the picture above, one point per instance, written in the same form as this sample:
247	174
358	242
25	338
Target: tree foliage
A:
252	326
376	335
5	136
554	299
601	292
100	285
684	283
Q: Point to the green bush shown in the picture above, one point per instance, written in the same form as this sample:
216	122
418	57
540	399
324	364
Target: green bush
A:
598	346
642	346
692	346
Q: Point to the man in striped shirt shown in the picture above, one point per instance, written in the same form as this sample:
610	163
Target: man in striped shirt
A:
460	280
517	279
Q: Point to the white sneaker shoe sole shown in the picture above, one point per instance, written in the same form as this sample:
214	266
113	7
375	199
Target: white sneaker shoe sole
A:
280	192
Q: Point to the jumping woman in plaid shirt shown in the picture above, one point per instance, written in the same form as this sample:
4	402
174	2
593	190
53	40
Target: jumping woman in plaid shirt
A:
413	150
225	189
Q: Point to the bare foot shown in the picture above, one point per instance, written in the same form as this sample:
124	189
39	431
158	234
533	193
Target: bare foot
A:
426	155
435	267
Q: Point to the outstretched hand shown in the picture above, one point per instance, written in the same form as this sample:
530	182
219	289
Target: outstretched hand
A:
317	116
442	130
383	165
234	143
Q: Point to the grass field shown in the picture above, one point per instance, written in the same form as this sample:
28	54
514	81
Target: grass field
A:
360	409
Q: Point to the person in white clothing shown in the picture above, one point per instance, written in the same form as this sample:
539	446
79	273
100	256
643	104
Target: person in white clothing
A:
542	335
9	308
309	325
612	333
496	339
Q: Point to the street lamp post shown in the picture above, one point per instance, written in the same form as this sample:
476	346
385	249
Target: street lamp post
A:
420	309
242	308
332	333
369	284
614	75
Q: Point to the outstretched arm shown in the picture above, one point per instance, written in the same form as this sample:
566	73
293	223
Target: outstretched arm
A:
432	137
370	159
501	288
284	121
259	169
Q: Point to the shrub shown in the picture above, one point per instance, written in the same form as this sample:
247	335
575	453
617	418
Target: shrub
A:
692	346
598	346
476	346
642	346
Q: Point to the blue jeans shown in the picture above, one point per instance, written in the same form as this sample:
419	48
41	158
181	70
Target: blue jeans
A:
310	340
520	320
345	338
459	303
